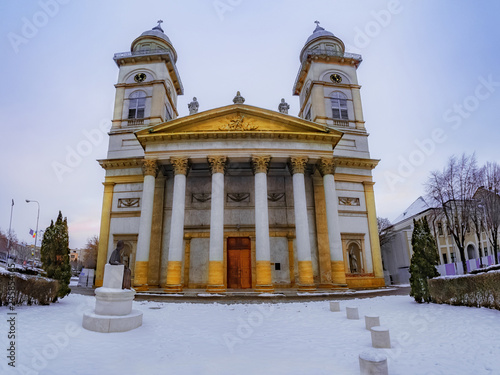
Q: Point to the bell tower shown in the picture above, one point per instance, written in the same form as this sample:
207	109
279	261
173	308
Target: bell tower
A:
327	83
148	82
328	90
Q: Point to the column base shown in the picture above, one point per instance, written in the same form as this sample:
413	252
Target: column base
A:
141	288
339	287
264	288
307	288
325	286
172	288
216	288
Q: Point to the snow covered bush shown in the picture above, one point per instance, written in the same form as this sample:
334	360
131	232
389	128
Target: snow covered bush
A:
481	290
26	289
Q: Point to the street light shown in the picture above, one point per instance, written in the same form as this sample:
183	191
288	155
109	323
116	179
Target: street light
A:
37	217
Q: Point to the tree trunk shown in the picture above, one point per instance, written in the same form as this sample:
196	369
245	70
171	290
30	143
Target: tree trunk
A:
462	257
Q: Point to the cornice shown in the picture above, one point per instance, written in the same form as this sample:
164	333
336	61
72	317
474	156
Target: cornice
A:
121	163
355	162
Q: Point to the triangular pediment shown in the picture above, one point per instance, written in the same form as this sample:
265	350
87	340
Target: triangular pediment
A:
238	121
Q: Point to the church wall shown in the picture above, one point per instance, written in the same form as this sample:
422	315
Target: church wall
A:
124	145
279	254
353	145
198	267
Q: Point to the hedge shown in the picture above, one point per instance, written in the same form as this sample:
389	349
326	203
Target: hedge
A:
480	290
26	289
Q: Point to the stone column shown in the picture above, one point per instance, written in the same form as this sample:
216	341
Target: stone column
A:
150	168
297	168
326	167
216	251
373	229
102	253
176	244
264	280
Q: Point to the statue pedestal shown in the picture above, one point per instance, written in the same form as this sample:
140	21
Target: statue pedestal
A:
113	309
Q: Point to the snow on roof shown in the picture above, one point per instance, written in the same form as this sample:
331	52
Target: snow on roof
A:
420	205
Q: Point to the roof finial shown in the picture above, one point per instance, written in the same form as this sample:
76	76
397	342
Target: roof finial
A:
158	27
318	27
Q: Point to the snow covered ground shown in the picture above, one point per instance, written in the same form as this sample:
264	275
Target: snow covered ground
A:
285	338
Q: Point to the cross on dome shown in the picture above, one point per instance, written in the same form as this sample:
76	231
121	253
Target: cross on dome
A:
318	27
158	27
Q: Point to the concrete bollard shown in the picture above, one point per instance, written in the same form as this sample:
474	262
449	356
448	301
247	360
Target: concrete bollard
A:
352	313
372	362
371	321
335	306
381	337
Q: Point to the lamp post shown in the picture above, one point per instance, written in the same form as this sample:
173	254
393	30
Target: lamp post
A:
10	231
37	217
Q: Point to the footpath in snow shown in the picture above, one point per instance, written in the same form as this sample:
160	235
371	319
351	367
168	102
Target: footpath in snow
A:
282	338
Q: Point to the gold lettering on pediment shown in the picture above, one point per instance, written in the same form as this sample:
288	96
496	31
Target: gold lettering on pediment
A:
238	123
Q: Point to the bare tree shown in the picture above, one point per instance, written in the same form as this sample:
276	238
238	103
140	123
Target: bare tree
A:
385	230
453	190
489	200
89	252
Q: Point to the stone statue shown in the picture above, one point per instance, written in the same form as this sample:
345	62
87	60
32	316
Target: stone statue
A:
238	99
283	107
116	259
193	106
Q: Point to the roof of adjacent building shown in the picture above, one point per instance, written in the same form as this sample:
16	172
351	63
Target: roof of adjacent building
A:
417	207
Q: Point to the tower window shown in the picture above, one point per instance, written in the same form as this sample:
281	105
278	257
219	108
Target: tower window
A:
137	104
339	106
308	114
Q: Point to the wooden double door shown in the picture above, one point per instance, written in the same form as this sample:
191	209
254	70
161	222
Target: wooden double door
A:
239	263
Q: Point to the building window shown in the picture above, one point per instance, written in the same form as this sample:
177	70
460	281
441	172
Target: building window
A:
308	114
445	258
168	114
339	106
452	256
137	104
440	229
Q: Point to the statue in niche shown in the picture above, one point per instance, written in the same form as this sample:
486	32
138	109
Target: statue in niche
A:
193	106
116	259
283	107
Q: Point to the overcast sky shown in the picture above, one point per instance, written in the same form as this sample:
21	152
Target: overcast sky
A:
430	81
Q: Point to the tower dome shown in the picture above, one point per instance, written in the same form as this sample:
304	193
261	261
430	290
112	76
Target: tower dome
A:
154	39
322	40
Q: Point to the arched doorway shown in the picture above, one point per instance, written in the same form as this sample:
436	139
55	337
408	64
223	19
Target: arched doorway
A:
471	251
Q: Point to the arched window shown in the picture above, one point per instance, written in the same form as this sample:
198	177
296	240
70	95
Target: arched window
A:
339	106
355	259
137	104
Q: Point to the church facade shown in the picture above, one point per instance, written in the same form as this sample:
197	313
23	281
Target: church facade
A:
240	197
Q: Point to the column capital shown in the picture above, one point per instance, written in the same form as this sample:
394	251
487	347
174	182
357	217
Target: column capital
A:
298	164
150	167
181	165
368	185
217	163
260	163
326	166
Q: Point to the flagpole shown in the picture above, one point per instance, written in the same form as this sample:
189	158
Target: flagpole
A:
10	228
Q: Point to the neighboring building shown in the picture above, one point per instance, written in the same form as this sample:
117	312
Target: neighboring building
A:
75	255
397	252
240	197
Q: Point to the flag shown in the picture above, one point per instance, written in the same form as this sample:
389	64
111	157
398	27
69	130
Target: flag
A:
12	202
33	233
